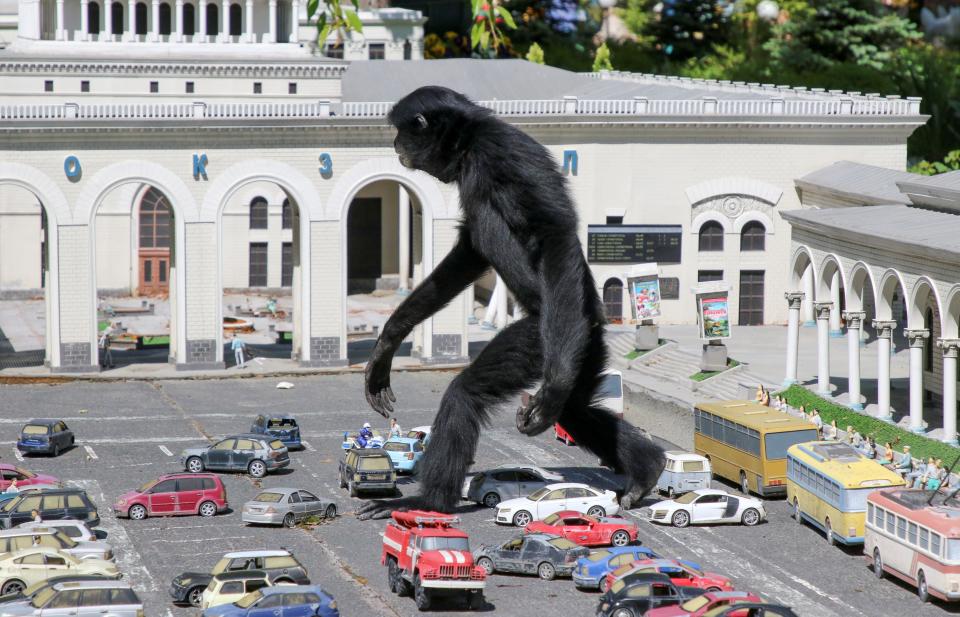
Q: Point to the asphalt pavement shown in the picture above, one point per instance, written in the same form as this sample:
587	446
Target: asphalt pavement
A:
130	432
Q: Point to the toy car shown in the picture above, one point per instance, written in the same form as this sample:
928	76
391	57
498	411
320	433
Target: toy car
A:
680	573
282	427
427	556
17	539
53	504
70	528
20	568
286	506
491	487
420	432
8	495
10	473
280	565
175	494
710	601
30	591
404	453
46	436
294	599
684	472
645	592
586	530
254	454
708	506
92	597
555	498
542	554
350	440
367	470
591	570
229	587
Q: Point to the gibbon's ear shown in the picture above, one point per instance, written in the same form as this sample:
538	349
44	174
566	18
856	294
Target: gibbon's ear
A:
422	121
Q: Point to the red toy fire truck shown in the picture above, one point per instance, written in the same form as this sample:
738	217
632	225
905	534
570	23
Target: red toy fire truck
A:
427	556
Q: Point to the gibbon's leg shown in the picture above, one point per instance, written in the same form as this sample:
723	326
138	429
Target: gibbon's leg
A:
511	361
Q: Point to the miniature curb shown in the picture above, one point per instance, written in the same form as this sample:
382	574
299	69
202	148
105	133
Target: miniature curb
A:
646	356
726	371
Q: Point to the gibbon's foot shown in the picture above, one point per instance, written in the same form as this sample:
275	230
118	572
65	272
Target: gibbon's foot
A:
531	420
383	508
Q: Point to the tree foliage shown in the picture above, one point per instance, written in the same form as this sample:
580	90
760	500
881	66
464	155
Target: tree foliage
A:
535	54
489	19
601	62
333	18
951	162
689	28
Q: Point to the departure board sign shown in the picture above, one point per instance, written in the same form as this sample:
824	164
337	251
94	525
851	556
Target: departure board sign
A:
633	244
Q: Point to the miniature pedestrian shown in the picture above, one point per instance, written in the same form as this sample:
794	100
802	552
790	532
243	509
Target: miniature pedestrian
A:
803	413
870	448
237	346
818	421
765	399
35	515
922	473
106	357
36	540
395	430
888	455
759	395
272	306
13	487
905	466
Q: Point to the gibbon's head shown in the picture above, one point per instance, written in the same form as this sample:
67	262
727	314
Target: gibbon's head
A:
435	126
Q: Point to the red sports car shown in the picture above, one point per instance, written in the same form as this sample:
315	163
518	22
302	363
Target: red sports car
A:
699	606
586	530
24	478
680	573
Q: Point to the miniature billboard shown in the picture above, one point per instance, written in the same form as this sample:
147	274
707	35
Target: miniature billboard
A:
643	284
713	310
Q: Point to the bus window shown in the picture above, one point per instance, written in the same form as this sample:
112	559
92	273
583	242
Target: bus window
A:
953	549
776	444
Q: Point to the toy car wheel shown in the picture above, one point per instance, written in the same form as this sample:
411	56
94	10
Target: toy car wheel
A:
207	508
353	489
194	464
56	450
622	612
330	512
796	511
750	517
393	576
289	520
713	589
257	469
620	538
195	595
596	512
476	601
421	596
137	512
13	586
922	592
744	485
487	564
522	518
491	499
546	571
877	563
680	518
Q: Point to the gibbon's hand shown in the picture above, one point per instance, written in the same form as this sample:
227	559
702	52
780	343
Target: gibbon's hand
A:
377	388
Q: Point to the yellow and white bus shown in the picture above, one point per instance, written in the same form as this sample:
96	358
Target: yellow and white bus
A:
828	483
747	443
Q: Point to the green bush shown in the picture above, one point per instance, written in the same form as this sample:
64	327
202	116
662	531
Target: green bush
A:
920	447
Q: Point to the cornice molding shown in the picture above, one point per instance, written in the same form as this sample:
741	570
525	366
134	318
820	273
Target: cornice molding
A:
317	70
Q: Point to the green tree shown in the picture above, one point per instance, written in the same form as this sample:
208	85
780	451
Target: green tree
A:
535	54
601	62
950	163
859	32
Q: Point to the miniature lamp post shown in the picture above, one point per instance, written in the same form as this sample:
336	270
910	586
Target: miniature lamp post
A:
606	5
768	10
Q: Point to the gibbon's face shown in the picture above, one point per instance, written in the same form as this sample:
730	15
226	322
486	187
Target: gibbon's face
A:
430	124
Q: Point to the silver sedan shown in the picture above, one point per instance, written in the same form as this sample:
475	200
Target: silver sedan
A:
286	506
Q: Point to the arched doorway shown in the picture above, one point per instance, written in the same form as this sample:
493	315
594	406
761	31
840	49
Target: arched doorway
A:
189	20
213	23
613	300
154	229
283	21
116	18
93	18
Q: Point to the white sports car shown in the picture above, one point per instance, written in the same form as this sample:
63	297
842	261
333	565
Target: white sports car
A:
708	505
555	498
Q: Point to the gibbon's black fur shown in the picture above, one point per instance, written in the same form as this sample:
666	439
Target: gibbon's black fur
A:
519	219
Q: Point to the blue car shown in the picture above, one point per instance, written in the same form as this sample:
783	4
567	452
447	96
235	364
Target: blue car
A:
404	452
291	600
592	569
46	436
282	427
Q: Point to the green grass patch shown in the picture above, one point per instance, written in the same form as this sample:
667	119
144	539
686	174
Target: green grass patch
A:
920	447
156	341
102	325
636	353
702	375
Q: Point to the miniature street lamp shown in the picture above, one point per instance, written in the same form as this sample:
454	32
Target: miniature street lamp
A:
606	5
768	10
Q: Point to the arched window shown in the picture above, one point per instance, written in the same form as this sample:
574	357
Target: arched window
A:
258	213
711	236
213	25
189	20
753	236
287	214
165	19
613	300
283	21
116	17
154	220
236	20
93	18
141	18
928	342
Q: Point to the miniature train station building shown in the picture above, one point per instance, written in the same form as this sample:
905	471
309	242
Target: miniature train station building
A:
879	248
216	154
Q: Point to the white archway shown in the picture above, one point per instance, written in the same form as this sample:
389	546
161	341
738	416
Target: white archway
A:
705	217
753	216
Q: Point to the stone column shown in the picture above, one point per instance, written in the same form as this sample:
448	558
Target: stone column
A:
248	21
294	21
202	34
224	36
131	20
807	282
403	226
835	331
272	36
949	347
178	20
108	19
84	21
155	15
854	321
916	338
822	311
884	330
794	302
61	30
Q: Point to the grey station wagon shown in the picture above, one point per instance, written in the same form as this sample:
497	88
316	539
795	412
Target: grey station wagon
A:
103	597
507	482
286	506
254	454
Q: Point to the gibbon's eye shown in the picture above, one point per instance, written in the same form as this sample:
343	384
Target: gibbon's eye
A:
421	121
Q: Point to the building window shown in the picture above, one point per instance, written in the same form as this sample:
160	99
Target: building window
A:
286	265
377	51
706	276
154	220
48	85
84	86
188	88
93	18
334	51
154	87
257	87
189	20
116	17
140	18
292	87
236	20
614	220
407	50
213	19
258	213
287	216
751	298
613	300
258	264
753	237
165	19
711	237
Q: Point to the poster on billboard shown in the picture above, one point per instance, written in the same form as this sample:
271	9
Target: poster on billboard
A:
644	297
714	315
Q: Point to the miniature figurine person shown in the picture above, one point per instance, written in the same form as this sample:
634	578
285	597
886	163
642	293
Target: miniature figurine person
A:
395	430
13	487
35	515
237	346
